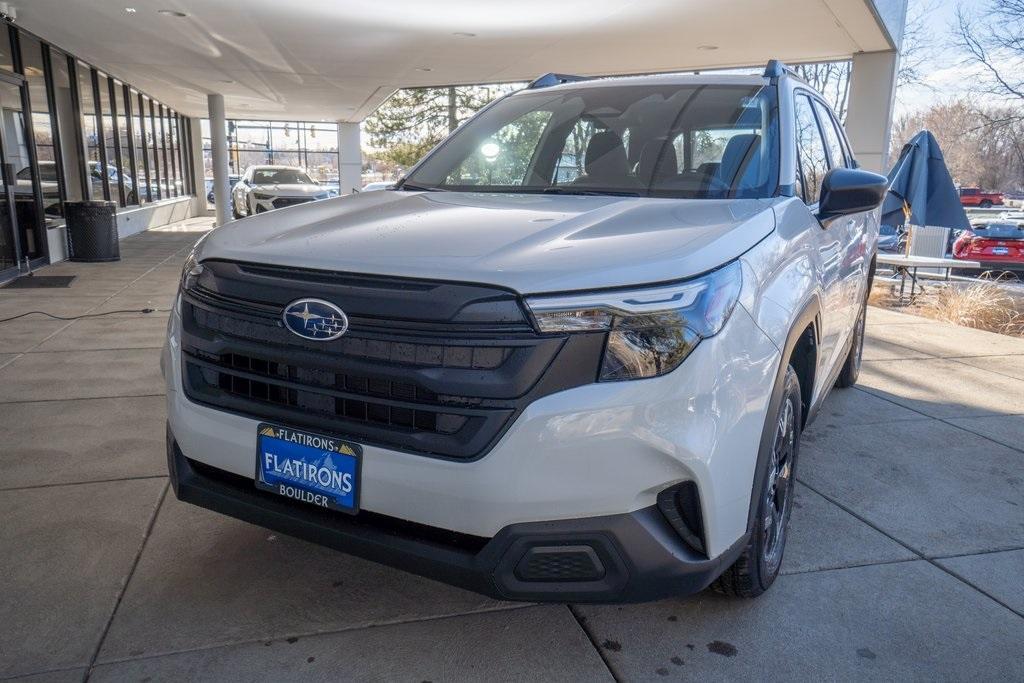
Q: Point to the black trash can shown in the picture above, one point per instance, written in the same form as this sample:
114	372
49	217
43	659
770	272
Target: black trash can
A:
92	231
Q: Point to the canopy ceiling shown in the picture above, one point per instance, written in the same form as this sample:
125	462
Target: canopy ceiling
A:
338	60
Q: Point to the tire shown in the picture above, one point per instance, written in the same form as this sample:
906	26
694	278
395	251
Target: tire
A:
851	366
758	565
985	204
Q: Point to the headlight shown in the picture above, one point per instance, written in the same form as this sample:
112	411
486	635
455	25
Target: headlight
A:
262	196
191	271
650	331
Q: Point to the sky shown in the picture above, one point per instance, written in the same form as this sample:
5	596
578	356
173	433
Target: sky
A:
946	74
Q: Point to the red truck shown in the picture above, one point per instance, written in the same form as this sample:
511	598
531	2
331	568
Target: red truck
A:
973	196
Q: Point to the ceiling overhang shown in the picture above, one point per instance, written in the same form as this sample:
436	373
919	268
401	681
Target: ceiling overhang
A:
330	60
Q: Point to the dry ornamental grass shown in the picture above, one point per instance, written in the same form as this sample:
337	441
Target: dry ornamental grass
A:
985	304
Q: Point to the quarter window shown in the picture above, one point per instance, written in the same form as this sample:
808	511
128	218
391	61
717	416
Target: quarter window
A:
813	161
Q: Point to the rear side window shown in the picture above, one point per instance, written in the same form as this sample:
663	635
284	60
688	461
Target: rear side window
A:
810	151
835	147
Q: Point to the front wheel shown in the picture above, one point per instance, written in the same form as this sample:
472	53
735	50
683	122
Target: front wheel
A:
758	565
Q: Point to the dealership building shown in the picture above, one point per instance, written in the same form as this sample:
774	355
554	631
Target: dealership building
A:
140	103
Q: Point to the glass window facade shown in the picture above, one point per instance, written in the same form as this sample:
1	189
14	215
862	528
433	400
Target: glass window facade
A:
73	132
51	181
306	144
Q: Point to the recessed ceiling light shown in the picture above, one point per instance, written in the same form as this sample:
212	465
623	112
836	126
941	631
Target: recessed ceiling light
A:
707	47
130	10
423	68
172	13
464	34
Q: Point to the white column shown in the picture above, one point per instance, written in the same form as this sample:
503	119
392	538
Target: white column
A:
350	158
219	157
869	116
198	173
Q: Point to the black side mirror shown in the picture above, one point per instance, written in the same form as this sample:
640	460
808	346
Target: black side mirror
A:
850	190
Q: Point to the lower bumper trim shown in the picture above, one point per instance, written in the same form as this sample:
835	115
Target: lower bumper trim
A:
636	556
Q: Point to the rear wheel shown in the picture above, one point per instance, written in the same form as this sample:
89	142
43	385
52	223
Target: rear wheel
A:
757	567
985	204
851	367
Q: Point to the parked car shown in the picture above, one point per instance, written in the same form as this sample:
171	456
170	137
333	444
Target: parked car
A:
997	245
378	185
541	385
891	239
264	188
972	196
233	179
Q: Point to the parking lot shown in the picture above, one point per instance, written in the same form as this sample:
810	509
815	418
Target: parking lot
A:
906	559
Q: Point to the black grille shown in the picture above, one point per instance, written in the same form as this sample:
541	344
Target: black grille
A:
282	202
445	379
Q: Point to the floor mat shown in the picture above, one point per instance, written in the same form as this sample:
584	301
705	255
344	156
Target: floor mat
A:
40	282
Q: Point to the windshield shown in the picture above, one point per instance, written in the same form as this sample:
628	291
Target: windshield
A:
283	176
694	141
1000	231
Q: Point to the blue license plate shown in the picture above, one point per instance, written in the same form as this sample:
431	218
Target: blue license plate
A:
1000	251
316	469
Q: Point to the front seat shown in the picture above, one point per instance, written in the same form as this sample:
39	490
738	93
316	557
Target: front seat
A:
605	162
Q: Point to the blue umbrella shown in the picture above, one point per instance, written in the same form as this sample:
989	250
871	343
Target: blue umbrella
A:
921	191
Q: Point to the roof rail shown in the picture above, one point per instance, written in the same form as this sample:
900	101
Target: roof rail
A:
776	69
548	80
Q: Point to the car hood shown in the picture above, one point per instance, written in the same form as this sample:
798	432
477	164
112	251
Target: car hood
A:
290	189
526	242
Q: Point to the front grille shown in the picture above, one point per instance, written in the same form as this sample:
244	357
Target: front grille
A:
445	379
282	202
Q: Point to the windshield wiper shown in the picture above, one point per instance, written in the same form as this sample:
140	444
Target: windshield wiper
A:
419	188
580	191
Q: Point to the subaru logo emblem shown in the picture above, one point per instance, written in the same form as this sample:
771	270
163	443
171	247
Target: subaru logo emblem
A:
315	319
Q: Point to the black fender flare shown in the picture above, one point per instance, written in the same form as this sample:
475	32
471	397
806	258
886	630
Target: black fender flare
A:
809	316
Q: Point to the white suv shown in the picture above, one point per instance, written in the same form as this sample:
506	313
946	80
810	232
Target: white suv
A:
569	357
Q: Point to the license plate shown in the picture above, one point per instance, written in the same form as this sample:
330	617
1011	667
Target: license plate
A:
1000	251
314	468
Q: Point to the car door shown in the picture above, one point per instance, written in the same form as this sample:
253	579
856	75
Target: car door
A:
828	246
857	233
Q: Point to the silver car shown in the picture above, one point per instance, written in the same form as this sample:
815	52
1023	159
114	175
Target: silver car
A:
264	188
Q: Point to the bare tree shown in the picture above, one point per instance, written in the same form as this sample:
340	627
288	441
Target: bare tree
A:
983	144
992	36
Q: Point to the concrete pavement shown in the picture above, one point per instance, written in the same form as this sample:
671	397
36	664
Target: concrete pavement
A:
906	558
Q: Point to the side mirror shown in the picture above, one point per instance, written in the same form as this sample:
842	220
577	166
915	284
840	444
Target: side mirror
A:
850	190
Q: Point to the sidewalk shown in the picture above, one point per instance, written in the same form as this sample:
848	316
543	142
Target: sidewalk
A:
906	559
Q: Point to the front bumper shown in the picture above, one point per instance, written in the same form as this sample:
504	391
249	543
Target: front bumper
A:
279	202
596	450
628	557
